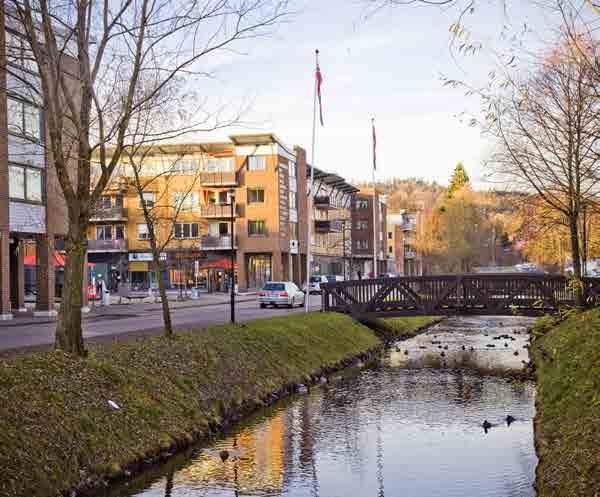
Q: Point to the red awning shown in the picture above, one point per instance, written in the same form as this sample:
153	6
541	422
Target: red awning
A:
222	263
59	260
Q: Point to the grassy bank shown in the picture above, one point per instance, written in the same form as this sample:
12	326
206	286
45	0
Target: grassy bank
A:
58	430
567	359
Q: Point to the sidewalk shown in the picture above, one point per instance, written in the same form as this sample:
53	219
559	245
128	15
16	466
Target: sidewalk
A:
138	305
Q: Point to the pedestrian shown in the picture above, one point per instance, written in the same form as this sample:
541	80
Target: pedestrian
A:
359	274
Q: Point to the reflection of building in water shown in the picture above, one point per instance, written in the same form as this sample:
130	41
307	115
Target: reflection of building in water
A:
259	465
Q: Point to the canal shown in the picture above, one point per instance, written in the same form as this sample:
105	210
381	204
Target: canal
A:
410	425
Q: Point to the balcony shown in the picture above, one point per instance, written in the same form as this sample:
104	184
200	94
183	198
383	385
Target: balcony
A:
208	242
217	211
410	254
109	214
323	202
107	245
328	226
218	178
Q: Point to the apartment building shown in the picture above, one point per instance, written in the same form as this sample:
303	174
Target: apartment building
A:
402	232
250	190
331	246
32	209
363	228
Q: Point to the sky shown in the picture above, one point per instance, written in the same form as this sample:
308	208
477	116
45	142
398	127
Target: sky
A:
388	67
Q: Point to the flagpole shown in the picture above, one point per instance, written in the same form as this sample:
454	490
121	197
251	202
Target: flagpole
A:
309	203
375	204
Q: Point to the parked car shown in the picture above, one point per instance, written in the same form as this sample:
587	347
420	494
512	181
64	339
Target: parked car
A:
315	284
333	278
280	293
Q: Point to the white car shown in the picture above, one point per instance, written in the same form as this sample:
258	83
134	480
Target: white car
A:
280	293
314	284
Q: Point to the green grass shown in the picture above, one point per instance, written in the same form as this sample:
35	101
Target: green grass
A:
391	329
567	358
56	428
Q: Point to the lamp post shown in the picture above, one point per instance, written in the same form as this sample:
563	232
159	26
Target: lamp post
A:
231	235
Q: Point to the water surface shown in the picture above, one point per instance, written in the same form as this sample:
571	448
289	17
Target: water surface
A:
399	429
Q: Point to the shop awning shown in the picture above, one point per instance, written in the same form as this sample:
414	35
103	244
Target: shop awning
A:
59	260
221	263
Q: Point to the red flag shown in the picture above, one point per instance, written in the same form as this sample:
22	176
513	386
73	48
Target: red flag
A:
319	81
374	146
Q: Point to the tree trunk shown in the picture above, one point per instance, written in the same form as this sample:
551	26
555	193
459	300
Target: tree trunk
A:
162	291
69	334
576	257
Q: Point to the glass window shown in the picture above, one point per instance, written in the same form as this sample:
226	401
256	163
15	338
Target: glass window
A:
294	231
148	199
119	232
292	169
223	197
118	200
34	184
23	118
274	287
104	202
256	195
16	185
361	225
257	163
185	230
142	232
293	200
104	232
257	228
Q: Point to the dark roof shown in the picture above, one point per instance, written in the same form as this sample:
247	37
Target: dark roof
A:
332	179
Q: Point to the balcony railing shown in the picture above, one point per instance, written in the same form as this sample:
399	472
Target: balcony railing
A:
107	245
410	254
217	210
218	178
109	214
328	226
208	242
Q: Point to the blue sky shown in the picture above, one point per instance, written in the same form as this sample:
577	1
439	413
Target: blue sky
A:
388	67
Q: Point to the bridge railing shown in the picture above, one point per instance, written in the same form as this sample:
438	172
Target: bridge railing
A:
453	294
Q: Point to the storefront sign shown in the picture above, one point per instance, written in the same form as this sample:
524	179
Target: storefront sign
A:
145	256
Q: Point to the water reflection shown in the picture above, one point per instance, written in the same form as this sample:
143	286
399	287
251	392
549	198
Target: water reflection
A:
409	432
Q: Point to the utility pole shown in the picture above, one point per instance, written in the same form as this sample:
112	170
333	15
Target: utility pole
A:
232	254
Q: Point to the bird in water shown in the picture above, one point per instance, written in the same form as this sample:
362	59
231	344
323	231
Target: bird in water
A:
509	420
406	352
464	348
516	352
442	353
505	344
224	455
486	425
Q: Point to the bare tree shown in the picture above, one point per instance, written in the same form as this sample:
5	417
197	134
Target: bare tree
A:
548	133
122	54
171	179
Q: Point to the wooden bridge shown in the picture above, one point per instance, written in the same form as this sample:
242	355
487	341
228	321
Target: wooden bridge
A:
491	294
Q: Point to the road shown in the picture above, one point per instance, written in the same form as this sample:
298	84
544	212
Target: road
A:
134	321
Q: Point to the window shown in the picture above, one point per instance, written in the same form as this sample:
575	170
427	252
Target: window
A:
256	195
391	249
104	202
142	232
119	232
362	204
185	230
293	200
222	164
257	228
293	169
104	232
118	200
24	119
25	183
257	163
218	229
18	52
148	199
223	197
186	200
294	231
362	244
389	235
361	225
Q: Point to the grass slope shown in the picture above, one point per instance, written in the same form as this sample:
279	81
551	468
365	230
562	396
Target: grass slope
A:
57	429
567	359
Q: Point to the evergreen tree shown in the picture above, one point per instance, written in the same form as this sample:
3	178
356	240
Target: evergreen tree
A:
459	180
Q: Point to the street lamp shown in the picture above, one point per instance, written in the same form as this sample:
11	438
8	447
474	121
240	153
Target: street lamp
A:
232	280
